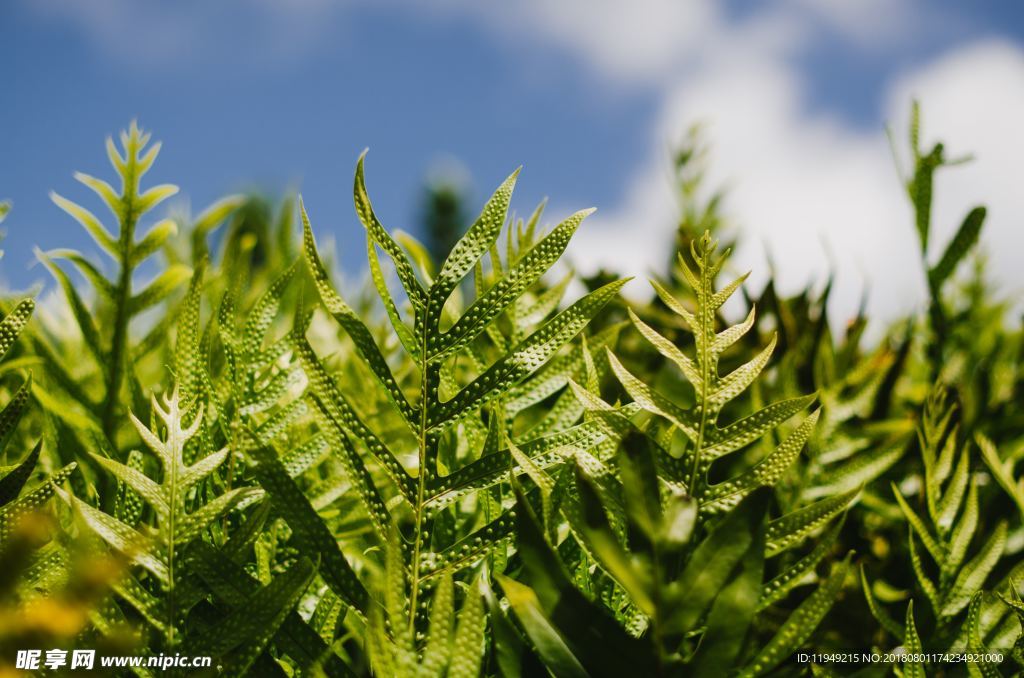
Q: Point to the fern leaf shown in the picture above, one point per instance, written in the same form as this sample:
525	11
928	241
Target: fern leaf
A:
974	641
707	441
739	379
965	239
107	333
242	635
858	472
353	325
146	488
776	589
490	469
800	624
381	237
31	501
405	335
972	577
526	357
149	606
473	245
169	280
652	401
128	505
13	323
923	580
462	370
13	411
467	646
922	531
789	530
1003	471
355	469
509	288
176	526
90	222
963	531
232	584
878	612
140	548
308	528
151	243
14	481
342	414
764	473
912	645
739	434
438	648
946	508
467	550
78	308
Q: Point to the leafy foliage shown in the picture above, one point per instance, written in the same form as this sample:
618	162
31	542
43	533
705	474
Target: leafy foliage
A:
453	470
158	551
456	458
127	205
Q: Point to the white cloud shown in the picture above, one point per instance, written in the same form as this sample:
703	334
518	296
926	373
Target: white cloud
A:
801	185
643	40
820	194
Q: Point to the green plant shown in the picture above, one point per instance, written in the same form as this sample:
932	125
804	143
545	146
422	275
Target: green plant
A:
439	540
953	512
453	470
920	185
106	326
690	582
128	206
705	441
169	499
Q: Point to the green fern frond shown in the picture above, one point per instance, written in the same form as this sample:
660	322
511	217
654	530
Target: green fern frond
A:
244	633
1001	470
920	186
951	497
945	523
707	591
801	623
445	404
13	411
230	583
106	332
158	549
15	505
454	642
706	440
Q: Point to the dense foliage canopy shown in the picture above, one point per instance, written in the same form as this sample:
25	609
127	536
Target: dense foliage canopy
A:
213	447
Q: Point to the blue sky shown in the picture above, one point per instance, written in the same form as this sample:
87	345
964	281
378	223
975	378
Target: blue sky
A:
587	95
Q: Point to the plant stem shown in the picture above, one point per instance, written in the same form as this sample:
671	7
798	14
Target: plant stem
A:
704	319
421	480
122	314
